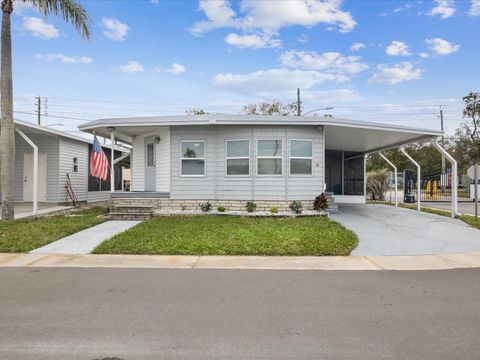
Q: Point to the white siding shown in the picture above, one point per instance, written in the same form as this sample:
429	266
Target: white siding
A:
163	161
70	149
215	185
98	196
138	164
47	145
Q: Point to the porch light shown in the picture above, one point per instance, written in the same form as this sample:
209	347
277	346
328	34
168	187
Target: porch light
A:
157	139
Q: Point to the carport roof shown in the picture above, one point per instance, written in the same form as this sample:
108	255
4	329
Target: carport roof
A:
340	134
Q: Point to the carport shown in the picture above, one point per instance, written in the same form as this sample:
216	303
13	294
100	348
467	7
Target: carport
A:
390	230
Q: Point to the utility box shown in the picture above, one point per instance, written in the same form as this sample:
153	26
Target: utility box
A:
409	199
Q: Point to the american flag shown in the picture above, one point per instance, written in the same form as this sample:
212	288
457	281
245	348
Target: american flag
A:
98	161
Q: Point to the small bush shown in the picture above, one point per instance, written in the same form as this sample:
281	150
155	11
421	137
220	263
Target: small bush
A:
250	206
377	185
206	207
320	203
221	209
184	208
296	207
274	210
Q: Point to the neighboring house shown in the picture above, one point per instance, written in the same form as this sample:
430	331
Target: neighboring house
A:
236	158
59	154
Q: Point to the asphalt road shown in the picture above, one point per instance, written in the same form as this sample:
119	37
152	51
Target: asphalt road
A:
201	314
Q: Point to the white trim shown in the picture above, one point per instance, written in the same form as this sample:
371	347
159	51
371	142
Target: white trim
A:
395	174
290	157
204	158
35	169
269	157
237	158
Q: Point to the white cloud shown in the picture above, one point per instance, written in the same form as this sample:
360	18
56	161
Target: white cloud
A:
474	8
444	9
331	62
261	15
114	29
174	69
39	28
252	41
20	7
356	46
272	82
395	74
397	48
64	58
399	9
131	67
424	55
303	38
441	47
331	96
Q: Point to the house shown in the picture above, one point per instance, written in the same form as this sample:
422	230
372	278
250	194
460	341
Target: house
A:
60	154
231	159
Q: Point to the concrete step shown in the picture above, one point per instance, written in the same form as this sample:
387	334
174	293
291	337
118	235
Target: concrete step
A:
130	216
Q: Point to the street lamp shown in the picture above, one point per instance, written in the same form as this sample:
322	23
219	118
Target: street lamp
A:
311	111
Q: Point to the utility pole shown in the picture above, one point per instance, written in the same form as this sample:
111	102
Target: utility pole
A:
38	105
299	110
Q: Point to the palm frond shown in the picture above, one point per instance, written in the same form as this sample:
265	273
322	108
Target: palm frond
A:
70	10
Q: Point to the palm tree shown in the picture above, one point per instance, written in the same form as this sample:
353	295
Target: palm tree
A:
71	11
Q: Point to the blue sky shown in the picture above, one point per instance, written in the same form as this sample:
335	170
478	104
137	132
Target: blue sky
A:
391	61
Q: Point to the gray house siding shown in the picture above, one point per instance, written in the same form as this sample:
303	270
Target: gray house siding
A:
215	185
70	149
46	145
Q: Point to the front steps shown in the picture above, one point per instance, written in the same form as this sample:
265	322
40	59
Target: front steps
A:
332	206
131	212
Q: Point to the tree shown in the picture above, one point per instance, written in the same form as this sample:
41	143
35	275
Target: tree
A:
196	112
72	12
467	137
273	108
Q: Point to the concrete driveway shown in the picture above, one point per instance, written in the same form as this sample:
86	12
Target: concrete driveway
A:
387	230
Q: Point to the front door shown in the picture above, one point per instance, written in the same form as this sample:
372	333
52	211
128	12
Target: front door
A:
28	177
150	168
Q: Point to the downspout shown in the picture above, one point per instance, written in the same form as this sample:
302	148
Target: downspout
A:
395	174
419	178
450	158
35	169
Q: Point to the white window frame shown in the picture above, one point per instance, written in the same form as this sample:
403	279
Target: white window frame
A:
270	157
237	158
290	157
204	158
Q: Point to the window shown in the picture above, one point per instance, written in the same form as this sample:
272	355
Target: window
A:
269	157
75	164
151	154
238	157
300	157
193	158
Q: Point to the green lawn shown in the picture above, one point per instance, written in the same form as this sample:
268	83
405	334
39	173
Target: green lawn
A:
28	234
225	235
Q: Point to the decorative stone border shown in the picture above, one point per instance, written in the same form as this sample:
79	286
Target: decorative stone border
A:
280	214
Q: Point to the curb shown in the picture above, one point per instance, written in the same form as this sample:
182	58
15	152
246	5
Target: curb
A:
375	263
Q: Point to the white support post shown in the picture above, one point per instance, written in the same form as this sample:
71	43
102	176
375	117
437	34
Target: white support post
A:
365	176
395	175
112	153
35	169
450	158
419	178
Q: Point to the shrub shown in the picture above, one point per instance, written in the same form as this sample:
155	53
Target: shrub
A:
206	207
221	209
274	210
296	207
377	185
250	206
320	203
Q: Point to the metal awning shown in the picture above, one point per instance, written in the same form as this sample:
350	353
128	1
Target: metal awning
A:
340	134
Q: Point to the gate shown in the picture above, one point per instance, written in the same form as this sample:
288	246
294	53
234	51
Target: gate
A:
435	187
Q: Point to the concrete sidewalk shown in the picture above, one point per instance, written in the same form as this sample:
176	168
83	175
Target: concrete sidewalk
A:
83	242
420	262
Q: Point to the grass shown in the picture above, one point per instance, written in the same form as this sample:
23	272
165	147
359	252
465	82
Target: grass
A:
220	235
27	234
469	219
